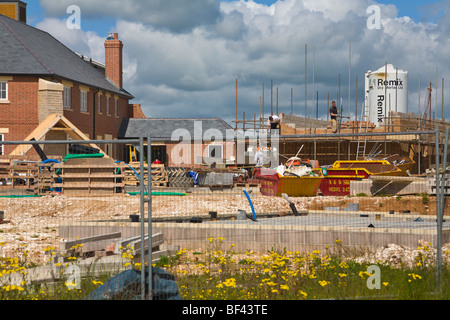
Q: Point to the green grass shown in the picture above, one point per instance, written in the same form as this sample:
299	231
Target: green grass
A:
218	272
227	275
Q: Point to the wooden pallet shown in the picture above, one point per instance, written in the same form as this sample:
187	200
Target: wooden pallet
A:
89	177
251	183
17	176
159	174
44	179
431	184
247	185
179	177
159	184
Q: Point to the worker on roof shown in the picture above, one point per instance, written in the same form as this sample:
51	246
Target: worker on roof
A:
273	124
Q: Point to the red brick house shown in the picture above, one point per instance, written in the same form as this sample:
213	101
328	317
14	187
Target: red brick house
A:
179	142
40	77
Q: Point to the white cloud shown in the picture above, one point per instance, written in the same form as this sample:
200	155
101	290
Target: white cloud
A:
188	67
175	15
87	43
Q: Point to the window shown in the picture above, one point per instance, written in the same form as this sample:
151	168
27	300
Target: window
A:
3	90
215	151
116	108
2	138
67	97
83	101
99	104
107	106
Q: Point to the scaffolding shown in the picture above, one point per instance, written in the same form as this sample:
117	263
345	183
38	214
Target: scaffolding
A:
398	134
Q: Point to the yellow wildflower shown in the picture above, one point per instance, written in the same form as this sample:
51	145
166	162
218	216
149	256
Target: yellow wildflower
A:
303	294
324	283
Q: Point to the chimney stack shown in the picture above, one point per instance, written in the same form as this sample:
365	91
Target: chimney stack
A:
14	9
113	59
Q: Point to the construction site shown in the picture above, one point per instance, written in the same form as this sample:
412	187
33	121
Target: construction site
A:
367	185
47	202
265	204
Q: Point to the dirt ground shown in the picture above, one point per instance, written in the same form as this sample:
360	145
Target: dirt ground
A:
32	223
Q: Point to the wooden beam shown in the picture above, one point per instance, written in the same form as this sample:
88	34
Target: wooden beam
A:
50	124
61	129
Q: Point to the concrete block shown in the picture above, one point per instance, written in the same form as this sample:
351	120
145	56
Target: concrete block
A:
371	188
360	187
242	215
351	207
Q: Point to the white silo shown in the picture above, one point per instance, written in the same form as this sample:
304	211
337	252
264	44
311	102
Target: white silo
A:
386	90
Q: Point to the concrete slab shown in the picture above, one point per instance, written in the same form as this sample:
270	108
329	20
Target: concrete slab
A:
313	231
399	187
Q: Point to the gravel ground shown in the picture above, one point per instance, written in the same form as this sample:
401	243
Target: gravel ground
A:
33	222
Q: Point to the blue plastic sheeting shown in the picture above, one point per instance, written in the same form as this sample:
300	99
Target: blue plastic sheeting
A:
58	180
50	161
194	176
251	205
127	286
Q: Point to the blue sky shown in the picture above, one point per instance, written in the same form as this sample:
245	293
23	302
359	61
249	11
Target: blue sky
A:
410	8
182	56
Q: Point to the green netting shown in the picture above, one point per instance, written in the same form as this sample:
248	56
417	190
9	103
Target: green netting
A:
159	193
21	196
83	156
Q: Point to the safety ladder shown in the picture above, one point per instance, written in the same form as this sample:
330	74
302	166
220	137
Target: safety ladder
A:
133	156
361	149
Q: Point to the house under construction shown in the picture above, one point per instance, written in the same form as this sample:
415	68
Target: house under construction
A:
356	140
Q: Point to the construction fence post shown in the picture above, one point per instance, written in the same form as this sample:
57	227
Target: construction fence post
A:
440	199
142	199
149	214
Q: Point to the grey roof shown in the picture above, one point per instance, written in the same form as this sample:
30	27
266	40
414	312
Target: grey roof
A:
26	50
163	129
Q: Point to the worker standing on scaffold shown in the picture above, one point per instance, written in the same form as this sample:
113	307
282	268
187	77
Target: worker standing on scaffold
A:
273	124
334	112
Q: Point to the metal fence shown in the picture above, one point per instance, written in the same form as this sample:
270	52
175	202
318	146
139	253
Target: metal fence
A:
313	232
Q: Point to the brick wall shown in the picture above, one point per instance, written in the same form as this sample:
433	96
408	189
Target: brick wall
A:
27	108
104	123
113	60
175	153
20	115
135	111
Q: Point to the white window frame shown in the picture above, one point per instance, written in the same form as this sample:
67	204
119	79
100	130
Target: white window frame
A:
83	101
99	104
67	97
108	107
2	147
116	107
4	83
215	146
